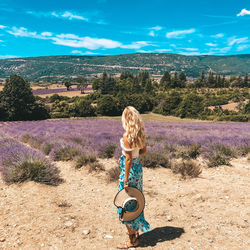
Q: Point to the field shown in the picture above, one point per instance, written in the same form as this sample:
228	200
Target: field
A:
57	89
207	212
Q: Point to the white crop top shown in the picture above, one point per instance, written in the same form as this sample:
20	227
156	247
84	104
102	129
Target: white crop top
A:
135	151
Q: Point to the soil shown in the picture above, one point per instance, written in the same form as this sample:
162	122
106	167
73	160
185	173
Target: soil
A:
208	212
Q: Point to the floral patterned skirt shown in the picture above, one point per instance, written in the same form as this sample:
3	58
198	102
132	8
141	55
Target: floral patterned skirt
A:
135	180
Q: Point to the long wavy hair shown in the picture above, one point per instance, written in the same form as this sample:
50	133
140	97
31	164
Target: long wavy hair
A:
134	127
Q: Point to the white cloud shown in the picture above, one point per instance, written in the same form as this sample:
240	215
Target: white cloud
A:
189	53
83	53
7	56
221	50
153	30
87	42
189	49
46	34
156	28
234	40
135	45
2	26
212	44
220	35
71	16
243	47
163	50
144	51
179	33
65	15
72	40
244	12
151	33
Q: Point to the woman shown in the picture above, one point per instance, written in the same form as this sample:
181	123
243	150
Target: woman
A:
133	143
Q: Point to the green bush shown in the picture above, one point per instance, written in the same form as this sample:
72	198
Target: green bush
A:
85	159
65	153
190	152
217	159
107	151
83	108
47	147
155	159
108	105
36	171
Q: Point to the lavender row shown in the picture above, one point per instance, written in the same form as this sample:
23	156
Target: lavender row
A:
54	91
93	136
19	163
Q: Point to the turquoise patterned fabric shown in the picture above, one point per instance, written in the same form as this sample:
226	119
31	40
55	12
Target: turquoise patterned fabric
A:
135	180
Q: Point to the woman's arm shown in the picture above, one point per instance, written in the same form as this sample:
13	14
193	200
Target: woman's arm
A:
128	161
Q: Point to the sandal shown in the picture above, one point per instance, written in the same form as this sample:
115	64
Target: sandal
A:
133	241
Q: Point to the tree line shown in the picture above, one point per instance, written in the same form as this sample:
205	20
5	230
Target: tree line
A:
112	94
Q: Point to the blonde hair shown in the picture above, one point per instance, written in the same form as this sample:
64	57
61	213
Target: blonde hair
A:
133	125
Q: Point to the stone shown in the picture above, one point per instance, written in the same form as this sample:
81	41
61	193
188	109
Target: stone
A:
2	239
86	231
68	224
108	236
169	217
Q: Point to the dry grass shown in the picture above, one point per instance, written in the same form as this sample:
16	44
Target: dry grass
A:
113	174
188	168
69	94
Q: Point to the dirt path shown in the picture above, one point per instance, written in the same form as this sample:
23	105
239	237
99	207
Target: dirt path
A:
210	212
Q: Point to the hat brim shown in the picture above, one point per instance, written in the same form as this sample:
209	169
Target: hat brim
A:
122	195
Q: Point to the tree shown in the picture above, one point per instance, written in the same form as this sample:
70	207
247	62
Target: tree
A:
211	83
107	84
165	80
19	101
143	76
246	82
190	106
171	103
126	74
67	84
108	105
182	77
84	108
82	83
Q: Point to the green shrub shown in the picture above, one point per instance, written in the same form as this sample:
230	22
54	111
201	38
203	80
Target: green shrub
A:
83	108
224	150
65	153
36	171
155	159
84	159
187	168
25	138
107	151
47	147
217	159
244	150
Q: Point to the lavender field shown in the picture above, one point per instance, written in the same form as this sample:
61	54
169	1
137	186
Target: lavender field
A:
19	163
66	139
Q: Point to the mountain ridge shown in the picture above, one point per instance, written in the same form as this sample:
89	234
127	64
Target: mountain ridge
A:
60	67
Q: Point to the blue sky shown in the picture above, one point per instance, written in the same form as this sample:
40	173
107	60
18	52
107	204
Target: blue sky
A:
109	27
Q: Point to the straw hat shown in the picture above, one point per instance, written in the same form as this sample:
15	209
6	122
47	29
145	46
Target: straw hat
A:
130	203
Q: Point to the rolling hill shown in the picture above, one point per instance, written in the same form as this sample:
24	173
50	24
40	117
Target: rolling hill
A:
68	66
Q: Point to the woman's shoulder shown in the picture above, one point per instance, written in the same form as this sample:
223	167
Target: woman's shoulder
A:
125	144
